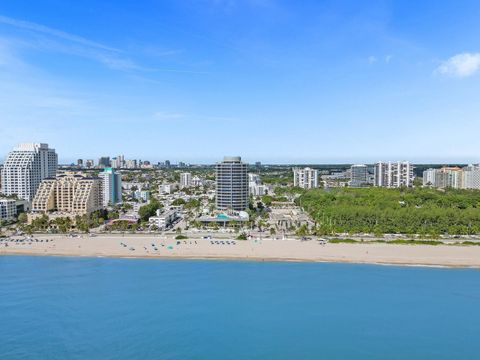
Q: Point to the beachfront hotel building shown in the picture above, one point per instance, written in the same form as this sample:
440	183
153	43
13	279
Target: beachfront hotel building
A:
25	167
112	187
393	174
232	184
69	193
305	178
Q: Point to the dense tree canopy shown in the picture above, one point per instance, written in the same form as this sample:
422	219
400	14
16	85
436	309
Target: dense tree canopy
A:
405	211
149	210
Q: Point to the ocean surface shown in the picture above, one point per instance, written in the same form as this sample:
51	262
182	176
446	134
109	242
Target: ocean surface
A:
103	308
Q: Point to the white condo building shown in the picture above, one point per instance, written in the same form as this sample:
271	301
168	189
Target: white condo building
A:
185	180
471	177
393	174
305	178
453	177
255	187
25	167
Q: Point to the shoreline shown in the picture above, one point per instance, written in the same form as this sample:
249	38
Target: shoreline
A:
164	248
245	259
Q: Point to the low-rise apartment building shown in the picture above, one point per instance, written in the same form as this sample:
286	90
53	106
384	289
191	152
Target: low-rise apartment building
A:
8	209
163	220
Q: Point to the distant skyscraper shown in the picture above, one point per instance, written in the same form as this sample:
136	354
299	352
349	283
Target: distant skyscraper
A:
25	167
393	174
232	184
89	164
306	178
185	180
131	164
112	187
80	163
358	175
167	164
121	161
115	163
104	162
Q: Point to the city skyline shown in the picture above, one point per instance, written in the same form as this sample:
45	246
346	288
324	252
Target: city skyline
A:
298	83
175	160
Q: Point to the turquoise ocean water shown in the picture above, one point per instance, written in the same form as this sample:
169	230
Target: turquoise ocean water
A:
100	308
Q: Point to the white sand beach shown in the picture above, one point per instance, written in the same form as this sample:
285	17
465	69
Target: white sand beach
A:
130	245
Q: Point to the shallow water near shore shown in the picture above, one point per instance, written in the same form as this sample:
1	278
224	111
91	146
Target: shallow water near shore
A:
107	308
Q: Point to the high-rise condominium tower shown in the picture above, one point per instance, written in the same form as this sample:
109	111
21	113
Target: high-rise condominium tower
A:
394	174
25	167
232	184
306	178
185	180
358	175
112	187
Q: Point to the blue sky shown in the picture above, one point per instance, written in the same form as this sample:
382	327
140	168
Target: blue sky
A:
270	80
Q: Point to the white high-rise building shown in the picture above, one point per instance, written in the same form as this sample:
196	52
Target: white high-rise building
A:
254	179
393	174
185	180
453	177
25	167
471	177
255	187
112	187
305	178
446	177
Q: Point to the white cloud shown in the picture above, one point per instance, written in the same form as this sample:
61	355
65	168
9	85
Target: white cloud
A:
372	59
53	32
44	38
460	65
